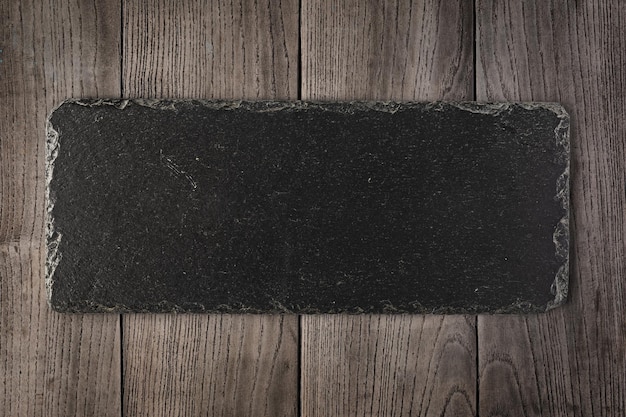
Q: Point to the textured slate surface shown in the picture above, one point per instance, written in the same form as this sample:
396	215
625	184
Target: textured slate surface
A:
207	206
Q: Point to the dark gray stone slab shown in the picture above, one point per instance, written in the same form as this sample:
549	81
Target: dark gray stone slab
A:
210	206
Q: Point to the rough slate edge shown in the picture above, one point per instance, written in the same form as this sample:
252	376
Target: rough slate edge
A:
560	237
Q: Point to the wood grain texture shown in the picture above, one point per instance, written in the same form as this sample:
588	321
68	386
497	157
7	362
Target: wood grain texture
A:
400	50
211	49
225	365
387	365
50	364
571	361
210	365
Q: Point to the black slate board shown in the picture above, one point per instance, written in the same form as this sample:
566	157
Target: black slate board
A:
212	206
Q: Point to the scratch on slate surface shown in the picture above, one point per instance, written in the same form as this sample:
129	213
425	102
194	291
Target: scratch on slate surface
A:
177	170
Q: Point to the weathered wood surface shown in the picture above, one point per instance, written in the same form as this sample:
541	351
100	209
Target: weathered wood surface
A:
382	365
388	365
571	361
186	365
50	364
226	365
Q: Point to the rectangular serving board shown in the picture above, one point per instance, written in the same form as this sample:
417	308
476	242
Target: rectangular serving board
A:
302	207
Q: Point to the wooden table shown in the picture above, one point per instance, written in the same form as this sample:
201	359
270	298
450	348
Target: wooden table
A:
569	362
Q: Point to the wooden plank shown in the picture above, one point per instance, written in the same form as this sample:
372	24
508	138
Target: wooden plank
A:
219	365
387	365
210	365
51	364
384	365
571	361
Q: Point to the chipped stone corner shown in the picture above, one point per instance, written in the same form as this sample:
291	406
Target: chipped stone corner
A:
553	107
496	108
561	235
53	237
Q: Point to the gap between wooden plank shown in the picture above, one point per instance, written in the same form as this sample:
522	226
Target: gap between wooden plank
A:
121	317
476	321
